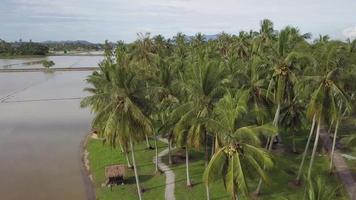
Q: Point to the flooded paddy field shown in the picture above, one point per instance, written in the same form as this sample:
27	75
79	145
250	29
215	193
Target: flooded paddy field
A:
60	61
41	130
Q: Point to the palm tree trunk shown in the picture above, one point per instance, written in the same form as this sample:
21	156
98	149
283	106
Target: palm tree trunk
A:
333	147
306	149
126	154
156	149
169	151
216	144
331	125
121	148
187	166
148	142
335	135
135	169
268	147
213	146
314	149
207	192
294	149
276	115
128	160
258	189
276	120
234	196
206	163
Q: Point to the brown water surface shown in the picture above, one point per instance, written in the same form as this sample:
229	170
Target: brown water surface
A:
41	129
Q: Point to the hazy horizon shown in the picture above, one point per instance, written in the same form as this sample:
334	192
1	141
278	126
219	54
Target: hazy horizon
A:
96	21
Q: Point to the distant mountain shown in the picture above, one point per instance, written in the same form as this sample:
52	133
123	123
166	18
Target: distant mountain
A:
83	42
211	37
207	37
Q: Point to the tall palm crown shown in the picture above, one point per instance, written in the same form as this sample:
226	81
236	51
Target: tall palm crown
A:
287	62
250	77
118	101
203	80
324	99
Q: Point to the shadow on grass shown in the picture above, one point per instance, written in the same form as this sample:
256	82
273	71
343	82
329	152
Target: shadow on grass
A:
131	179
148	149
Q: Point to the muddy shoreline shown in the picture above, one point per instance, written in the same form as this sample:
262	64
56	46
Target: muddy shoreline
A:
85	169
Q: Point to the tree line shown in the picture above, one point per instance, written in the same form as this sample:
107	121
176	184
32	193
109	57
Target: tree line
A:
233	97
67	46
22	48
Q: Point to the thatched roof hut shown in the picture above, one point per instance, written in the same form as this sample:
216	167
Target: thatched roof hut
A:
114	171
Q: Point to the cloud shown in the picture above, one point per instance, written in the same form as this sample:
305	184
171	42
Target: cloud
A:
350	32
121	19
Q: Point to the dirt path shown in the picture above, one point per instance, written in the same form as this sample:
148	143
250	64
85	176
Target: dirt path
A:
341	167
170	176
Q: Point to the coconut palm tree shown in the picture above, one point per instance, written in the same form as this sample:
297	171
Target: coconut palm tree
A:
317	189
292	118
239	156
204	81
165	96
300	169
143	58
108	51
118	101
241	46
286	65
324	104
252	79
181	130
351	45
266	35
338	117
323	39
166	122
160	46
327	60
224	42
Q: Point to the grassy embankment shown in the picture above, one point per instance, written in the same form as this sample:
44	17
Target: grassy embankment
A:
102	155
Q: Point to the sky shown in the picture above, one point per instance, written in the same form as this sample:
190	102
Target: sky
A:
97	20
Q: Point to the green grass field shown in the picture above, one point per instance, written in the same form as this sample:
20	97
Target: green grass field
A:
286	166
102	155
281	187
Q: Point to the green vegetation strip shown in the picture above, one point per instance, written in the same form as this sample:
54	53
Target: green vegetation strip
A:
281	186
